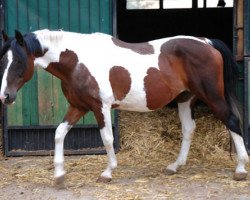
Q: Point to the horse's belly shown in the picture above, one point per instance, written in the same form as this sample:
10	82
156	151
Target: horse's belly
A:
149	97
134	101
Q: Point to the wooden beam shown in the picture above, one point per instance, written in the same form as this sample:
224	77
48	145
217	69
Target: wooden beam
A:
239	28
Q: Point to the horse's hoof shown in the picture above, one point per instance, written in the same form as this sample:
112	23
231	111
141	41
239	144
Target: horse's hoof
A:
240	176
59	182
169	172
103	179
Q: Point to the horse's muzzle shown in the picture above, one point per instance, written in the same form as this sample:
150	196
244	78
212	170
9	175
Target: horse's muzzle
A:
2	97
8	99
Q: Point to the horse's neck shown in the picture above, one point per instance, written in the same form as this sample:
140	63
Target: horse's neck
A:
60	58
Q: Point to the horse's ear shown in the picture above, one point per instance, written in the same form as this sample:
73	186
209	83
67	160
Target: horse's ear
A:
5	36
19	38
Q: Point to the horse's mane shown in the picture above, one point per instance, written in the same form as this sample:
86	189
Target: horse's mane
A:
32	44
48	37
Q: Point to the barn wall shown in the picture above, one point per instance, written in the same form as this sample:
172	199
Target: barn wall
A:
40	106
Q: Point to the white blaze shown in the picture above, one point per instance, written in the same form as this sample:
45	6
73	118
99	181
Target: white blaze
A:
5	75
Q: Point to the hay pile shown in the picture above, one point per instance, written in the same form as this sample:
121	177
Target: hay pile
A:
1	141
158	134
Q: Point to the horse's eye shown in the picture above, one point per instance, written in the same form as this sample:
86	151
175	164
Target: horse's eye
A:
19	73
17	62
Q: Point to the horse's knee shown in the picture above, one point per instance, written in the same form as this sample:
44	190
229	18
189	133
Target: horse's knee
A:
107	139
58	137
107	134
61	132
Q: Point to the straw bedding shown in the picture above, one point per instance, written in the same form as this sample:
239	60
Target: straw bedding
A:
148	143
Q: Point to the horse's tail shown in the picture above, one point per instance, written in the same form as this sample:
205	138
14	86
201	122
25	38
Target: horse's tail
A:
231	74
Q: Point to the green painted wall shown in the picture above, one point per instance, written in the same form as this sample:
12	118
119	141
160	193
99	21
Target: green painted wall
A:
40	101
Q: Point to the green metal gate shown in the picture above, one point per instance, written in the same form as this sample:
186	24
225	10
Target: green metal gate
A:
40	106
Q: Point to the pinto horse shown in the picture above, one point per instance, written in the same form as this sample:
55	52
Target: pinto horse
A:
99	72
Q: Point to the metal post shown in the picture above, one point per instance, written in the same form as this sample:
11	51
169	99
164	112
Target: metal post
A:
204	3
195	3
161	4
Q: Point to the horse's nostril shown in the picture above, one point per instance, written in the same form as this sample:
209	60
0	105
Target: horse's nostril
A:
7	96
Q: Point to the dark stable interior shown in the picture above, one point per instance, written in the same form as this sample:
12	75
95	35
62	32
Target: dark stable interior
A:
148	24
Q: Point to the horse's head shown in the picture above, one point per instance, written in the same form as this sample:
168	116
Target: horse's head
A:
16	65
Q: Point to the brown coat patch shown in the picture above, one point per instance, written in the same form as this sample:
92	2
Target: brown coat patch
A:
141	48
181	69
193	69
120	81
78	85
158	93
66	65
197	68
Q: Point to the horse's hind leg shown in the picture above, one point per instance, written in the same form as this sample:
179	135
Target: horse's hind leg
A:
72	116
105	124
188	127
221	110
240	172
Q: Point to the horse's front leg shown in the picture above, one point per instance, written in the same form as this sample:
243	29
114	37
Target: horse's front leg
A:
72	116
105	124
